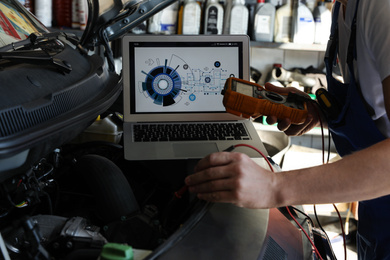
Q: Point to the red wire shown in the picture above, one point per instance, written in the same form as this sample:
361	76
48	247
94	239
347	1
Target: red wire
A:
179	193
303	230
342	231
257	150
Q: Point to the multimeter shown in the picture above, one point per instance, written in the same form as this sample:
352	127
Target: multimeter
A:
248	99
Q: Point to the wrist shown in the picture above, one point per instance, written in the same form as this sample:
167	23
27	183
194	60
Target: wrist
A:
278	190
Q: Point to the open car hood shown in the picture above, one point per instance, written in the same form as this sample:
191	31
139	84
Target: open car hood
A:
109	20
53	84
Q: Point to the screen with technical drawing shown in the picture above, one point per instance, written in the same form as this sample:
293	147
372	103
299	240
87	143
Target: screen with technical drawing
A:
177	77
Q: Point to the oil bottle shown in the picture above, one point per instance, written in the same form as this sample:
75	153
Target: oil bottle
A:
165	21
323	21
283	20
303	24
239	16
191	14
213	17
264	22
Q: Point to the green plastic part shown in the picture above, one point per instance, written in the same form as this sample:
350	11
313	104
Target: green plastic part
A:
114	251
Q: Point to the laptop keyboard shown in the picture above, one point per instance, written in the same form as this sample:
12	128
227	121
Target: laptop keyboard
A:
189	132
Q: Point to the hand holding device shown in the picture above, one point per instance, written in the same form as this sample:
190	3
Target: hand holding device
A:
248	99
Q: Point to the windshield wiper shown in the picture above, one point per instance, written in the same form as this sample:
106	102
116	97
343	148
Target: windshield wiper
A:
37	57
41	41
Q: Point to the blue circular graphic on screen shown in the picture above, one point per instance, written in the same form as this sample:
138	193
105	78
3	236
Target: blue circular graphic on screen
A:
192	97
217	64
163	85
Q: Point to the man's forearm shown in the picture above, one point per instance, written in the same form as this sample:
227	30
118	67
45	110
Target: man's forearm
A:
360	176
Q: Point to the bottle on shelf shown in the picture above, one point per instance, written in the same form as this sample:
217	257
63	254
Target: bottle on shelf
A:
190	17
264	22
303	28
83	13
283	20
323	21
75	19
62	13
239	16
213	17
165	21
43	11
311	4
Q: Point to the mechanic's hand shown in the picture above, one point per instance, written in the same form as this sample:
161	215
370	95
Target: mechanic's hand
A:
285	125
232	178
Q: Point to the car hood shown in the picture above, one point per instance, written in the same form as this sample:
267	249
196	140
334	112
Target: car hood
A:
53	83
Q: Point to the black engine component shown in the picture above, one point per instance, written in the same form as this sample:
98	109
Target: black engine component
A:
46	236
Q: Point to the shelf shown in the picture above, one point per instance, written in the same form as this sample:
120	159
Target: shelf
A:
290	46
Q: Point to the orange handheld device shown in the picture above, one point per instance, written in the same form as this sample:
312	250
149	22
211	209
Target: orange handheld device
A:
248	99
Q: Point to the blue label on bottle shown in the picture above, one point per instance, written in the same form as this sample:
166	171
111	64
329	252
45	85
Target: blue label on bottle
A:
305	20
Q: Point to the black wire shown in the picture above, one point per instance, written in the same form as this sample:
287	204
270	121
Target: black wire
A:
47	172
329	136
303	213
49	202
318	221
329	147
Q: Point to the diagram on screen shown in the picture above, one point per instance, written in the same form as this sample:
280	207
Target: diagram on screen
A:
173	80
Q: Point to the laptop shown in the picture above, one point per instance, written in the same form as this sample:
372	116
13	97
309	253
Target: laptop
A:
175	81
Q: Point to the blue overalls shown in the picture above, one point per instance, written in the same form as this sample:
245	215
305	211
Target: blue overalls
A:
353	130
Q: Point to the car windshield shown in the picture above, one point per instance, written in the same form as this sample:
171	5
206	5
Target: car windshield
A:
16	23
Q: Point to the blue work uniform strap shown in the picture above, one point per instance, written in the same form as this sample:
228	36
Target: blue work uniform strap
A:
353	129
333	43
352	56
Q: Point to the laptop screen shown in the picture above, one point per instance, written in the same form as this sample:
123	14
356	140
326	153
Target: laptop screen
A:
181	74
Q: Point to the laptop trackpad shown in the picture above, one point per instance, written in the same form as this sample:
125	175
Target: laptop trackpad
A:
194	150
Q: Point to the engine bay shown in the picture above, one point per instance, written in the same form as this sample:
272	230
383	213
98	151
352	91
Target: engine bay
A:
83	195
